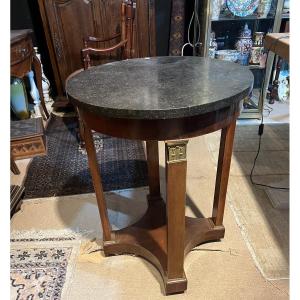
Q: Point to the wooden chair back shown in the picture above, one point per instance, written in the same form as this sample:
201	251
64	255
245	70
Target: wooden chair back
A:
126	37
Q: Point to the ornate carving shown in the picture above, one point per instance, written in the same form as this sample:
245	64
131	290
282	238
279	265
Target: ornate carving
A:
57	46
176	151
33	147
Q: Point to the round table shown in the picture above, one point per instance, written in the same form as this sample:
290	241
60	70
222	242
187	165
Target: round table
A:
168	99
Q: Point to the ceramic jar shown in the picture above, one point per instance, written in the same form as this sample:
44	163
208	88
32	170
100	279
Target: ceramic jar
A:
244	42
257	49
258	39
264	8
244	59
256	53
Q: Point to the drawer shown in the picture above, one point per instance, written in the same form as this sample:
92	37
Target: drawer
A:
20	51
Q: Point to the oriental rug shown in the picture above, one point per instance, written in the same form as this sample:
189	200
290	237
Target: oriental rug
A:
42	267
64	170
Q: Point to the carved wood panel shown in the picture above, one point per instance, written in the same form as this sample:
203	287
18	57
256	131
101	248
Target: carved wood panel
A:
25	148
69	21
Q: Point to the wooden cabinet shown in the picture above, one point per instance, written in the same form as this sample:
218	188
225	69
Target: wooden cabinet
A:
67	22
21	52
23	59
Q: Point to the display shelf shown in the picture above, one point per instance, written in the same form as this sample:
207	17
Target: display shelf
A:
227	32
255	67
235	18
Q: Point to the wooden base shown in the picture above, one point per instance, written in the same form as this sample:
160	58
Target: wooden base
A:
148	238
164	235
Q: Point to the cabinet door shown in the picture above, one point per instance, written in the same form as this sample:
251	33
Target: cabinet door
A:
70	20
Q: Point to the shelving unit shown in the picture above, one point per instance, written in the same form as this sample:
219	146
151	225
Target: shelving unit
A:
229	26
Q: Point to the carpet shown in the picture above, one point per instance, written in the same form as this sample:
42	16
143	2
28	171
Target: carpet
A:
64	170
41	267
261	213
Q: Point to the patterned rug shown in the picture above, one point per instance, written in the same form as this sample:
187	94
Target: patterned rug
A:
42	268
64	171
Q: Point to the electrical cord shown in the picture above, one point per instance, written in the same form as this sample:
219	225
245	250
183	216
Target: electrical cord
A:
194	15
261	130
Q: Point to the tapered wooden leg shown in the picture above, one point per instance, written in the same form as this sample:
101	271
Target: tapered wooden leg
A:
81	130
95	172
38	76
153	171
225	152
176	195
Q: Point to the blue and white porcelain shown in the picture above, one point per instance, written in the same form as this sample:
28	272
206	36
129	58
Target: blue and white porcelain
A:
242	8
283	83
244	42
244	59
229	55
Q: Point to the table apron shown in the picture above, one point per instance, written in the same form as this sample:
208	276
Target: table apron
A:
162	129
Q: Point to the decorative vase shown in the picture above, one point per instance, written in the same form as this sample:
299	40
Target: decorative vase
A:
213	46
216	8
264	8
244	43
257	49
258	39
18	98
244	59
256	53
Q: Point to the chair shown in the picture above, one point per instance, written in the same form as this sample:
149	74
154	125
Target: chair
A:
126	35
125	46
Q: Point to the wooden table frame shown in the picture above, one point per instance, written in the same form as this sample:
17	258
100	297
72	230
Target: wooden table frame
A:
164	235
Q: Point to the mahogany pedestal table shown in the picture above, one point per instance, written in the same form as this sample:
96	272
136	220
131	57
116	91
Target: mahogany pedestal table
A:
167	99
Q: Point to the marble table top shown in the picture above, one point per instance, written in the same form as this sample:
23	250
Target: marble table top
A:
159	87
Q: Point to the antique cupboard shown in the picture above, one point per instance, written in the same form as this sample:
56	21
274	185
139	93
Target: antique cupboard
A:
67	22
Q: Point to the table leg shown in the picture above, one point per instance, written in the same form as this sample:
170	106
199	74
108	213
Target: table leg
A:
38	76
81	130
225	152
176	166
153	171
13	166
96	177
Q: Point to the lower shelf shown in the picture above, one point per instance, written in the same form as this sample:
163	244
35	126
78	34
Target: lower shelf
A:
148	238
